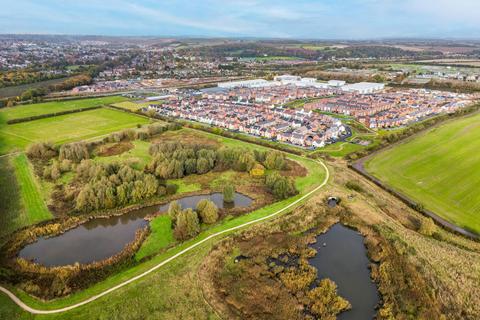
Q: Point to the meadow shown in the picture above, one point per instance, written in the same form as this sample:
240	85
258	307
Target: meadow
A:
66	128
439	169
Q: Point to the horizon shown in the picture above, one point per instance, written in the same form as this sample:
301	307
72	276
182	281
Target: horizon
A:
259	19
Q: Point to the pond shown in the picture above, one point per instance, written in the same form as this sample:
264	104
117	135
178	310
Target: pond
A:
342	257
102	238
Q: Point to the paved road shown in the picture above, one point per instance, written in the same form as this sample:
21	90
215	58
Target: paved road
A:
27	308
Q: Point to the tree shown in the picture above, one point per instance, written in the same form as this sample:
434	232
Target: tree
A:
203	166
275	160
174	209
187	225
228	193
281	187
208	211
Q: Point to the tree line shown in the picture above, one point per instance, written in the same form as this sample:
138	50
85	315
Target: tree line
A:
174	160
107	186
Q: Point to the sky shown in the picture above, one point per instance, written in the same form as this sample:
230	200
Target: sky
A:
306	19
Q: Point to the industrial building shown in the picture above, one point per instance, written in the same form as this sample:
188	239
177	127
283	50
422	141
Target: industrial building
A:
363	87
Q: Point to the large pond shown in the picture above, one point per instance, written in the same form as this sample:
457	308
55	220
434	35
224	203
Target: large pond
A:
342	257
101	238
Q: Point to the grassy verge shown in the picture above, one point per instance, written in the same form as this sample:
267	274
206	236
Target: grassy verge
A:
32	200
161	236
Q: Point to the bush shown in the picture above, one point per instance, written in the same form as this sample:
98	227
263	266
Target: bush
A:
171	188
41	150
257	171
353	185
427	227
187	225
325	302
75	152
280	186
208	211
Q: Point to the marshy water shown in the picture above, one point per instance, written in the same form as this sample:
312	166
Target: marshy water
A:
342	257
101	238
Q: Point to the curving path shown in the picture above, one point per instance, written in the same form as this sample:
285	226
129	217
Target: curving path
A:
27	308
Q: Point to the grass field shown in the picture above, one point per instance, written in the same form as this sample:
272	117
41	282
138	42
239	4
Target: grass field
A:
137	157
439	169
21	203
54	106
147	296
66	128
134	106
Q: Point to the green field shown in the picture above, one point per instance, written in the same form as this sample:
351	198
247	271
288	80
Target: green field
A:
137	157
66	128
439	169
134	106
21	202
160	296
54	106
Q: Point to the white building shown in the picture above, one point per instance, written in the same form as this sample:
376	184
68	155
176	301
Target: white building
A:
363	87
245	84
287	77
336	83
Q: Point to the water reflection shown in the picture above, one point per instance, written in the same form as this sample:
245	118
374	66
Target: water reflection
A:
101	238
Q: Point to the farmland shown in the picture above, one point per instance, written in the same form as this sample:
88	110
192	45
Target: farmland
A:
66	128
54	106
439	169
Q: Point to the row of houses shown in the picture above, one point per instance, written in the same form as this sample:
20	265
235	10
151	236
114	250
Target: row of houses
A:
298	127
393	108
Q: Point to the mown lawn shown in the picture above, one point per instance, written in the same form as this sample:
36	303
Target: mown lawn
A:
66	128
56	106
21	202
439	169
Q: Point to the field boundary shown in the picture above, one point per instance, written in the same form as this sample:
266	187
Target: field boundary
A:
51	115
29	309
359	167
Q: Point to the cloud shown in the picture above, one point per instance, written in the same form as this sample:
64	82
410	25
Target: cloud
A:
259	18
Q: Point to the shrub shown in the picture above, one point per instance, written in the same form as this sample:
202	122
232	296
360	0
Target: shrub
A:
257	171
75	152
353	185
171	188
280	186
187	225
208	211
427	227
41	150
325	302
